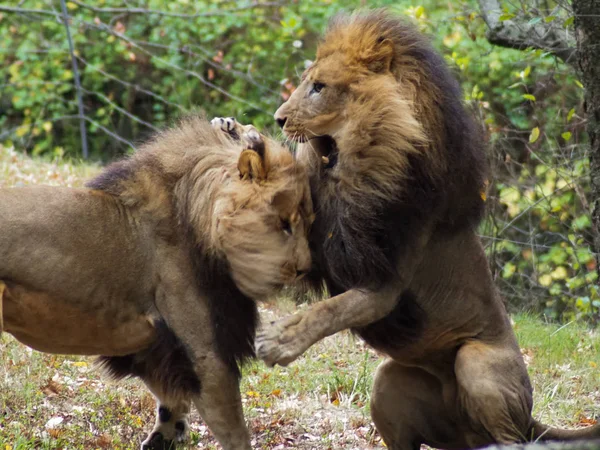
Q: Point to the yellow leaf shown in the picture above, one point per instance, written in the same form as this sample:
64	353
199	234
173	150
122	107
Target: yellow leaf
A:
336	402
566	135
593	364
578	83
535	134
545	280
8	447
80	364
22	130
419	11
276	393
571	114
560	273
529	97
47	126
71	5
483	192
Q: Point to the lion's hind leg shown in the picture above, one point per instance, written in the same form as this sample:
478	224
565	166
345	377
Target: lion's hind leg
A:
494	393
408	409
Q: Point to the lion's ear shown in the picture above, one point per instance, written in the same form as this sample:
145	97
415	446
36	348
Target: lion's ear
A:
379	59
252	166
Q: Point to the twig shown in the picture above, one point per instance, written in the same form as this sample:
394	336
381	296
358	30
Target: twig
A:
223	12
521	35
84	143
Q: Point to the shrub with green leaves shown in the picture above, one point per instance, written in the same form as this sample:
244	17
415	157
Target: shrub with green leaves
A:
144	63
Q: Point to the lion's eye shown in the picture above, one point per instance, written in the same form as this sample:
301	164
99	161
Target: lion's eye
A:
317	87
286	226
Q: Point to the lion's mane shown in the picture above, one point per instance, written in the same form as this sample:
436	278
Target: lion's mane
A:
422	157
188	177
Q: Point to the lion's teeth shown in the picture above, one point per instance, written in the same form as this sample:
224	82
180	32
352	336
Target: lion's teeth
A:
325	160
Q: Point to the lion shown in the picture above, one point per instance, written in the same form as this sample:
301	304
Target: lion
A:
156	264
398	174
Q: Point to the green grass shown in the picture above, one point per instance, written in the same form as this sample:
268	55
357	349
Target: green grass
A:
320	401
563	363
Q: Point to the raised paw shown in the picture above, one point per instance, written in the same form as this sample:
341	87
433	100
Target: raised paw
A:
156	441
228	125
282	341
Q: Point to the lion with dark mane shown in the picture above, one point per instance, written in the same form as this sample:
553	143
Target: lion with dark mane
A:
156	265
398	174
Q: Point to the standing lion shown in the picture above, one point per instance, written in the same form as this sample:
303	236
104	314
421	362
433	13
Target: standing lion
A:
397	174
155	266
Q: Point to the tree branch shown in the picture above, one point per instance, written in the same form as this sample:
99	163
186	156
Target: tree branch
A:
521	34
131	10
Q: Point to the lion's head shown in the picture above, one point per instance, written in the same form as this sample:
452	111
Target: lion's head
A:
250	210
248	227
381	126
261	222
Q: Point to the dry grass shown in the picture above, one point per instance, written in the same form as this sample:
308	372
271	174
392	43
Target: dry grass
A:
320	402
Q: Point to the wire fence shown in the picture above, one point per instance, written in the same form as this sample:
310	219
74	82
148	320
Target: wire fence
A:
133	68
121	69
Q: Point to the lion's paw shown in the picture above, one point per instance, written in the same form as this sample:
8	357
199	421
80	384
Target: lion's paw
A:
282	342
248	134
226	124
156	441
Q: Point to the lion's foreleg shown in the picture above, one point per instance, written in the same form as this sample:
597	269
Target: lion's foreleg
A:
219	400
220	405
286	339
171	421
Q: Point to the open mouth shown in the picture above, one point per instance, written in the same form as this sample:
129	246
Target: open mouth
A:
295	136
329	151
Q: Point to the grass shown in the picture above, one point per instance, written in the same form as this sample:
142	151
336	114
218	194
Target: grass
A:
320	401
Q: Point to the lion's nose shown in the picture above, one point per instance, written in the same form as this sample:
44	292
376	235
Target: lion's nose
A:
281	115
281	121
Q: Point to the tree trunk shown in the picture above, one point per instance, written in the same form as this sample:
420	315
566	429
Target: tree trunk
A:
587	26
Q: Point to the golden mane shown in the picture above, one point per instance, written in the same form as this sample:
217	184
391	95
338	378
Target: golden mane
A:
191	173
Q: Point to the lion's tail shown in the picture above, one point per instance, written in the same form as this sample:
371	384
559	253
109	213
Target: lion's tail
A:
545	433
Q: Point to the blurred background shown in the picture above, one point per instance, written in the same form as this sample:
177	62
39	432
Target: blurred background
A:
141	64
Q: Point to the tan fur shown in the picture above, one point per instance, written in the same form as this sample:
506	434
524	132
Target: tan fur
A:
454	377
92	270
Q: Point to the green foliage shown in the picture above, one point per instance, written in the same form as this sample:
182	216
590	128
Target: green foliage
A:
139	71
235	58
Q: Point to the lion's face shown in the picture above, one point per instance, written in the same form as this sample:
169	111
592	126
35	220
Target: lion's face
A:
262	225
335	88
318	106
